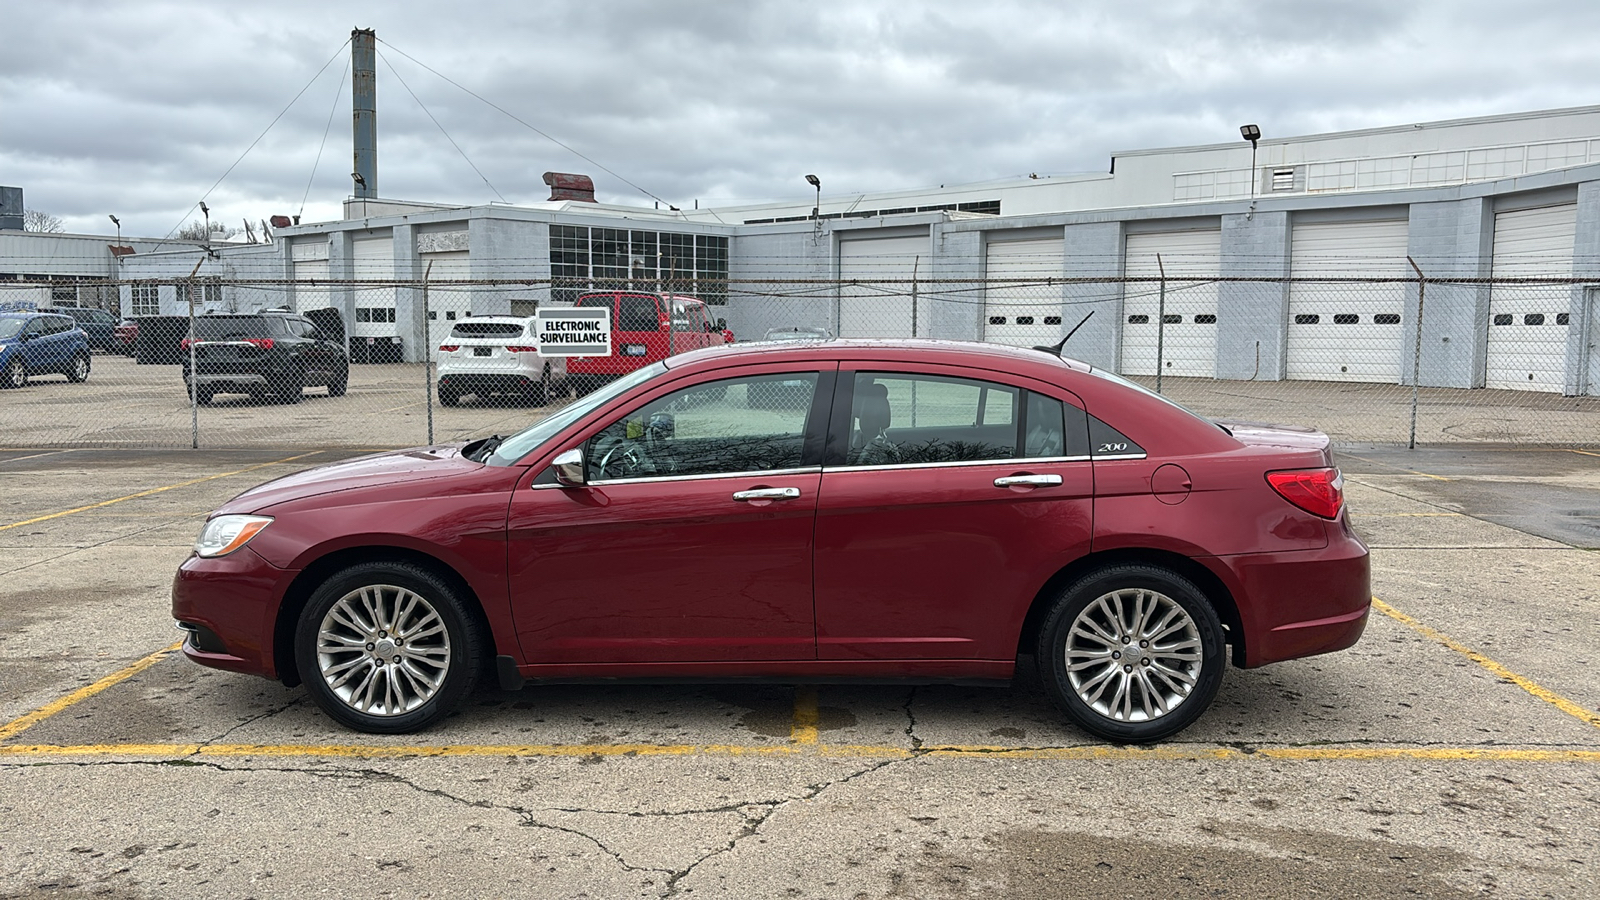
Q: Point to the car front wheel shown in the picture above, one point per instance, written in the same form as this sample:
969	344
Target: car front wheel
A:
15	374
387	648
1132	653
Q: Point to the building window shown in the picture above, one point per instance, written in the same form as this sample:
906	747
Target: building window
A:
569	261
146	300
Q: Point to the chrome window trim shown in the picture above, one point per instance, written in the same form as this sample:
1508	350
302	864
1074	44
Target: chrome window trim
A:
766	473
965	463
1122	456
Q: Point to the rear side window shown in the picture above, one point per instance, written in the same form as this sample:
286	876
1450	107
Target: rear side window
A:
231	328
486	330
638	313
58	324
903	419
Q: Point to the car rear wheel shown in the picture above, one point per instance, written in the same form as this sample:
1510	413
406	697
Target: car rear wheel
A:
339	384
1132	653
78	370
291	386
448	396
15	374
387	648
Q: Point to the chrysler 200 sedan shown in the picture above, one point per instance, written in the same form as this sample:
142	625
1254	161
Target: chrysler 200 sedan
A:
932	512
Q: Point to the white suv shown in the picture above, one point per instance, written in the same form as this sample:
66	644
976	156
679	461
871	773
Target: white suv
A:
488	355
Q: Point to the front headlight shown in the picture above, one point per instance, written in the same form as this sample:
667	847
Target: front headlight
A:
225	534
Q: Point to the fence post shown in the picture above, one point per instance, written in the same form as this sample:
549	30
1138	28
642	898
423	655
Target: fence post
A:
1161	321
1416	354
194	371
427	350
914	264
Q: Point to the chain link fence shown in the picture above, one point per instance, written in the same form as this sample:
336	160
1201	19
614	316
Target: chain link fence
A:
393	364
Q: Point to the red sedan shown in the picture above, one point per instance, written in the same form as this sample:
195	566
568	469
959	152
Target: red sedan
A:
913	510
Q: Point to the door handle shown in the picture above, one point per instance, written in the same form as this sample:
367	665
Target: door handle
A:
787	493
1028	481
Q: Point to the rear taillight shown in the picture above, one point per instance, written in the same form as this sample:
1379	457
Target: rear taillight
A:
263	343
184	344
523	349
1317	491
449	348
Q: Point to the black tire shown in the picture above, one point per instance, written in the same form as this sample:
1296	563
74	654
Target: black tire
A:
453	657
340	383
448	396
1153	675
205	395
77	371
538	393
291	387
584	385
15	374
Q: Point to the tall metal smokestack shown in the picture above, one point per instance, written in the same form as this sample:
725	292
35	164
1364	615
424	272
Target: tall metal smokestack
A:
364	104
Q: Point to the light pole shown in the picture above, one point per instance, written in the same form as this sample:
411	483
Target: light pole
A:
1251	133
814	181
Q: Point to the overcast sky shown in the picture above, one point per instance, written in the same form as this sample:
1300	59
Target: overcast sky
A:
138	109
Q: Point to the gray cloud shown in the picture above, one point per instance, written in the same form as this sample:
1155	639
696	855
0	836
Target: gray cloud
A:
138	109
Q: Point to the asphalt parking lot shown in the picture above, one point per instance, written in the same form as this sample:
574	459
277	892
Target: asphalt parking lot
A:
1454	752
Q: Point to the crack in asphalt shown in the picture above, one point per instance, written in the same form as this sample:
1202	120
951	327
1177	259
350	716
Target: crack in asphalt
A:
911	721
753	825
252	720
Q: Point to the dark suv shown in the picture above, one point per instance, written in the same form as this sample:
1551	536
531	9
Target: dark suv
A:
99	325
268	355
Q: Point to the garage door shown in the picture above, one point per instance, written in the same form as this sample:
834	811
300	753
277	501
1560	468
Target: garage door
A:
1193	261
373	260
1028	313
878	304
447	304
1347	331
1527	346
311	264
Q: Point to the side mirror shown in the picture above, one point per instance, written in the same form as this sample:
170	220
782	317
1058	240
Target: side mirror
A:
569	468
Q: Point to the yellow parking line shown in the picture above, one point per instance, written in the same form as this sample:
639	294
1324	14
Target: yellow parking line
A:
1584	452
1543	693
24	722
34	456
804	729
1390	466
1166	753
407	406
68	512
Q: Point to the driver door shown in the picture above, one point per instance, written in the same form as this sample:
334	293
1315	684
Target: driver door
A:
691	541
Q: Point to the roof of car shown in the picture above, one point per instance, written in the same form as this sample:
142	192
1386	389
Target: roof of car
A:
493	320
899	349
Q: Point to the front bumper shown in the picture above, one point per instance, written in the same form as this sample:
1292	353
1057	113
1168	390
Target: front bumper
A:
232	602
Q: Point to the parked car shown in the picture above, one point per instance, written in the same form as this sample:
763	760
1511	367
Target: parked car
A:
934	511
486	356
274	354
99	325
645	328
126	336
35	343
797	333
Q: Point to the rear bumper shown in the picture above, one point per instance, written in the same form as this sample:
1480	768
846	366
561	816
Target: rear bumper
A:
1303	603
488	382
234	599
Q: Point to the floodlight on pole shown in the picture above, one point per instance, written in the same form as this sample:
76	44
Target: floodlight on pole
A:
1251	133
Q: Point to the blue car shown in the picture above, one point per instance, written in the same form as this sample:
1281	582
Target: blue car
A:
33	343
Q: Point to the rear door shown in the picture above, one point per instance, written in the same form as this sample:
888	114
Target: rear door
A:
936	529
691	542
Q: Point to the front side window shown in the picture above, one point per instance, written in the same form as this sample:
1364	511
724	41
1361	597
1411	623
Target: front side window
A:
756	423
903	419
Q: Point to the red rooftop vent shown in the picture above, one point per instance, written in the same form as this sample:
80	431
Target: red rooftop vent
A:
566	186
280	222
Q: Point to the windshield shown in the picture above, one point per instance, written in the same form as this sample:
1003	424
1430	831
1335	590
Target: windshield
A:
528	439
235	328
9	328
486	329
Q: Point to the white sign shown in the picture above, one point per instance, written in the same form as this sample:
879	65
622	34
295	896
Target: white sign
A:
573	331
